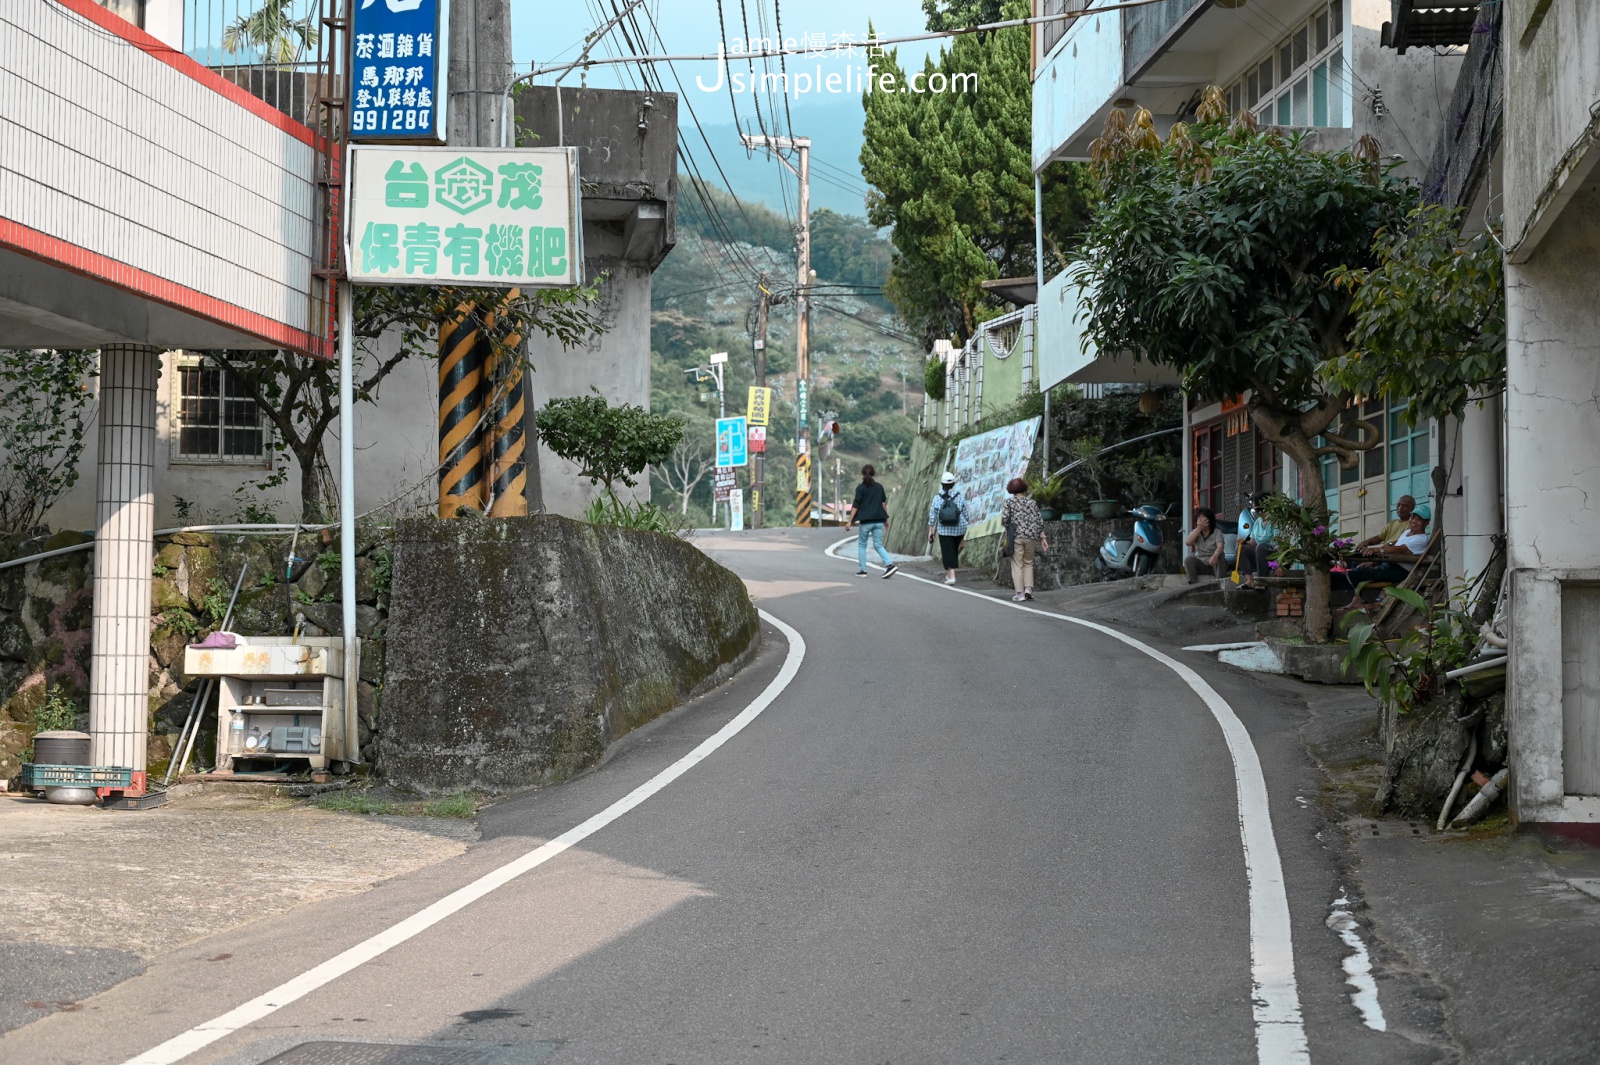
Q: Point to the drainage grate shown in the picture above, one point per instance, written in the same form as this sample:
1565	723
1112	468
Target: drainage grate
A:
1389	829
345	1053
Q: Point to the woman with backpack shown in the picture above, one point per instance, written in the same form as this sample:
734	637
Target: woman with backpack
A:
949	516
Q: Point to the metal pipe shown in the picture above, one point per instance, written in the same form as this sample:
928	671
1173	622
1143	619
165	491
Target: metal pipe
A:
195	710
1120	443
250	530
347	514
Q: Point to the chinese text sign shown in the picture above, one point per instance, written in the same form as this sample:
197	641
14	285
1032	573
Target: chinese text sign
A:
396	92
464	216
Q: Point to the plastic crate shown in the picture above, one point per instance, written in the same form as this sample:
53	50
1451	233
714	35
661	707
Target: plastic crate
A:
76	776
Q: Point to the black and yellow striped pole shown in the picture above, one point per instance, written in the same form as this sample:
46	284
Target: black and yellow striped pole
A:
461	397
802	490
506	448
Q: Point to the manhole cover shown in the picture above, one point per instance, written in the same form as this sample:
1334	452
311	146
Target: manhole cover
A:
344	1053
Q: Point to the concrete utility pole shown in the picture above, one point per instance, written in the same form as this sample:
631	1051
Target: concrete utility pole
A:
802	332
758	461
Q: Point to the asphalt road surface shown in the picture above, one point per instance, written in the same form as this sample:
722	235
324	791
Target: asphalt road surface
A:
957	832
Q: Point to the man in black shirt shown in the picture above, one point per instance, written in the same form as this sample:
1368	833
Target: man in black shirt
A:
871	509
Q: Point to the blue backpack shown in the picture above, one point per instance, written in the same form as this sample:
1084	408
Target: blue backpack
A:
949	510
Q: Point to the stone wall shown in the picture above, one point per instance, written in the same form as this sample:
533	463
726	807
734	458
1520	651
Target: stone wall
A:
519	648
45	624
1074	545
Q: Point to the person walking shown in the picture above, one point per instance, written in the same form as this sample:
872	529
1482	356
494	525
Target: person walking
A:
949	515
1205	543
1019	517
871	509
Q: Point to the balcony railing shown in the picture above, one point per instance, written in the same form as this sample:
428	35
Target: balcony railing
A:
1146	27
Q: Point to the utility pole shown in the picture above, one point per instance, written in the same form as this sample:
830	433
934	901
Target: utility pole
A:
802	333
758	461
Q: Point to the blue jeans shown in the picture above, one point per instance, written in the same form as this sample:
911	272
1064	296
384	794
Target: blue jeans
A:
872	530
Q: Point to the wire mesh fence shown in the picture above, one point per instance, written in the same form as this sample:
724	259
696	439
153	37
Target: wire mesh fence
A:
269	48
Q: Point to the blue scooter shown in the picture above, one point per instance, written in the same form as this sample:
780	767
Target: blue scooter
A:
1134	555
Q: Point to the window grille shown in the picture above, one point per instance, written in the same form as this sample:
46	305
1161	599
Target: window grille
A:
215	419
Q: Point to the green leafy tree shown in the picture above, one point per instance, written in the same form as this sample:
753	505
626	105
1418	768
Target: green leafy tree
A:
608	443
956	222
1212	253
1430	318
274	31
45	395
300	396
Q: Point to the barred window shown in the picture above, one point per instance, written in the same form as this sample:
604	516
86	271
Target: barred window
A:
215	419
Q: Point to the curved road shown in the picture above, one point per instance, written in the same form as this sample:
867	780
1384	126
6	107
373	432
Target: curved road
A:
961	832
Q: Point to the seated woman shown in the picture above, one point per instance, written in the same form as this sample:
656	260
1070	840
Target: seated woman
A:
1205	543
1395	560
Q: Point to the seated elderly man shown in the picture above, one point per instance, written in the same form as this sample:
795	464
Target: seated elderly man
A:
1396	558
1395	528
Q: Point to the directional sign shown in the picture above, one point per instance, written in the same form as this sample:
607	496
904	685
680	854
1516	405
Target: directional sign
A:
397	90
499	217
801	405
722	484
732	442
758	406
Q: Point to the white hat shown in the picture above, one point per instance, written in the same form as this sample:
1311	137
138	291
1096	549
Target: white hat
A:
948	478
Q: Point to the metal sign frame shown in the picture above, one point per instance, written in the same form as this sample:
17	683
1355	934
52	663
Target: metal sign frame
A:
371	153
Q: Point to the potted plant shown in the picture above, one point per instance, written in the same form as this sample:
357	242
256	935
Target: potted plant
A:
1146	475
1046	491
1085	451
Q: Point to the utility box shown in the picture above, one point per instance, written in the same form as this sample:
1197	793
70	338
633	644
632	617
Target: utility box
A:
280	704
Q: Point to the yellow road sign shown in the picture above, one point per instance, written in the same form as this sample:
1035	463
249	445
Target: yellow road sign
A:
758	405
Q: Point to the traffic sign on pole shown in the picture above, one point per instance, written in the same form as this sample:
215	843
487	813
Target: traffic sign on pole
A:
733	447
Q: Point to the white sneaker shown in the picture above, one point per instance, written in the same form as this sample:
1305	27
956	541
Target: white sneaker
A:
1019	598
949	580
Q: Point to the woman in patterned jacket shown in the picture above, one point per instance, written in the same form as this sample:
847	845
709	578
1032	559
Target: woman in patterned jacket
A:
1025	529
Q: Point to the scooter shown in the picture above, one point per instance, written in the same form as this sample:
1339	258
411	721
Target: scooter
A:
1133	555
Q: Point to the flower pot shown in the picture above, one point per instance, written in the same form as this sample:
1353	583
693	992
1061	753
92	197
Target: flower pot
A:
1076	515
1047	514
1104	508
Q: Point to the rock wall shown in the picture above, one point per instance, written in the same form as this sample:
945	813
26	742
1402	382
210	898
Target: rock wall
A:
45	610
520	647
1074	545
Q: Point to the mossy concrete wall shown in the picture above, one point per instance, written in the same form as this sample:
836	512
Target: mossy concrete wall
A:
519	648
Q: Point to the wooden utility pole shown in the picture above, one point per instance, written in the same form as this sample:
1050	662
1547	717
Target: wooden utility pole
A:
802	333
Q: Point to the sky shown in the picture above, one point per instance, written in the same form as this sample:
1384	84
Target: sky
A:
546	32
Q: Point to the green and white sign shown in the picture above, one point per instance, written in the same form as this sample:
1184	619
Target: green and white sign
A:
496	217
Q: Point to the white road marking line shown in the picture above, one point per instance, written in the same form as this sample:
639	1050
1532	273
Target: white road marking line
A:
203	1035
1280	1032
1358	966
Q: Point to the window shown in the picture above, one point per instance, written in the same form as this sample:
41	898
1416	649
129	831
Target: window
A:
1266	464
1208	468
214	417
1301	81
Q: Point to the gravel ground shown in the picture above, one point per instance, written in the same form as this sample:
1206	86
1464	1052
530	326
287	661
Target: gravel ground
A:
87	896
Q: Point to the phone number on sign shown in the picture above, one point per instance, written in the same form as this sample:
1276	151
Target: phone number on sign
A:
390	120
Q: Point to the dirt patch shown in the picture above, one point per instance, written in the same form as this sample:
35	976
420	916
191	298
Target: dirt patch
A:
205	862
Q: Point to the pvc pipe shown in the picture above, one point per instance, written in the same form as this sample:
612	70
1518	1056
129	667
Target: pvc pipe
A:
1492	638
1461	778
1476	667
347	514
250	530
1481	801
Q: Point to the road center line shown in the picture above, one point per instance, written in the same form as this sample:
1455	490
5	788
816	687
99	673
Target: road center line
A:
203	1035
1280	1033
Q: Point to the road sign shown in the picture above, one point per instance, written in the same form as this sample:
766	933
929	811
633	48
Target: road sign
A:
732	442
758	439
736	510
397	90
722	483
494	217
802	407
759	405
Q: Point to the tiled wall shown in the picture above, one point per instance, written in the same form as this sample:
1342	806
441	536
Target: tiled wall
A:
108	146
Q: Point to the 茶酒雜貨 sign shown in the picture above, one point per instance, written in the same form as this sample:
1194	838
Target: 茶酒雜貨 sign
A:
397	83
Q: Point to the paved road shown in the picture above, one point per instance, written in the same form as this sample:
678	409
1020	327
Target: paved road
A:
963	833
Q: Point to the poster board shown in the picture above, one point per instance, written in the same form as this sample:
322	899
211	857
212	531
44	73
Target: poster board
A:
983	465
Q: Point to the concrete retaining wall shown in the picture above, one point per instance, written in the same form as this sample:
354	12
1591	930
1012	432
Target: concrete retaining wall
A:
519	648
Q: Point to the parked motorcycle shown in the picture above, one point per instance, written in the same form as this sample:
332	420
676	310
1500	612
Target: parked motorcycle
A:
1135	554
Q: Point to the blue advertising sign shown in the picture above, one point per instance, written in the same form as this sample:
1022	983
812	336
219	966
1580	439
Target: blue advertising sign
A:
733	448
397	84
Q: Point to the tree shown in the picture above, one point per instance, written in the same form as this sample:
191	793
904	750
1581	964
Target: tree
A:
1430	318
957	224
45	396
684	470
608	443
300	395
273	30
1212	253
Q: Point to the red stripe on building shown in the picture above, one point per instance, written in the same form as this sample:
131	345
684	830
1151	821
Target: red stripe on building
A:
175	59
42	246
